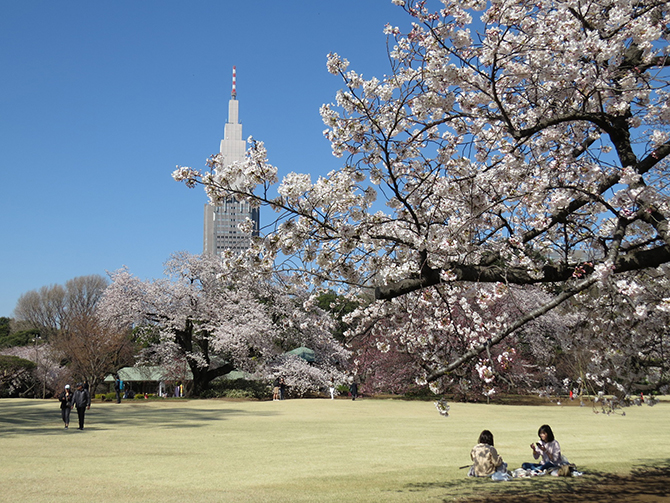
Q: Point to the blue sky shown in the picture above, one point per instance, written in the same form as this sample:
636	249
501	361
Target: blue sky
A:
99	101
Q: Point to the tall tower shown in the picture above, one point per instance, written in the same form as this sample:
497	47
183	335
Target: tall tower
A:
221	220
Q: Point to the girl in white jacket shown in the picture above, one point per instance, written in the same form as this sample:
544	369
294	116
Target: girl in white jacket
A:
548	448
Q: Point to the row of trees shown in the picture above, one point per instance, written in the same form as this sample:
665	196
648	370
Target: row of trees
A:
202	318
67	340
197	317
503	192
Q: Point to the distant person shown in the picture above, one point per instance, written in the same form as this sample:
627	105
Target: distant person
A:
117	388
82	401
485	457
282	389
353	389
275	389
331	388
547	448
66	405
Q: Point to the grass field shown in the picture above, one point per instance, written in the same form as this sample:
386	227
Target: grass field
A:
314	450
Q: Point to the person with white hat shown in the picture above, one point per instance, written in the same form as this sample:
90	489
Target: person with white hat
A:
66	405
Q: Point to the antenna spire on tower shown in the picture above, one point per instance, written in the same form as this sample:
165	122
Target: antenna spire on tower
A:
234	93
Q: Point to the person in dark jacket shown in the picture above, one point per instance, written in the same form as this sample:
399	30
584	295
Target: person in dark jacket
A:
82	401
353	389
282	388
117	387
66	405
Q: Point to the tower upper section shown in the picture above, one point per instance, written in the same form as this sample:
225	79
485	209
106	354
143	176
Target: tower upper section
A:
233	146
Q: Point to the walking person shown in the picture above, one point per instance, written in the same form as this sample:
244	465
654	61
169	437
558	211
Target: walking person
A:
353	389
66	405
117	387
81	399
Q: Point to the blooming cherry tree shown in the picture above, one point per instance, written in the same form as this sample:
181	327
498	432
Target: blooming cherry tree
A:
46	376
415	333
512	142
620	342
216	322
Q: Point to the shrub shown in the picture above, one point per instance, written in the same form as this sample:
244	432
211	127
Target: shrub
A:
342	389
106	397
239	393
420	393
140	396
238	388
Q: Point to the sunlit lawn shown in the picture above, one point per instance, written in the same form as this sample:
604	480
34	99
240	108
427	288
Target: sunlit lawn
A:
300	450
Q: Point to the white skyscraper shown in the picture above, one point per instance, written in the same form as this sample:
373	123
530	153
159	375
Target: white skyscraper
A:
221	221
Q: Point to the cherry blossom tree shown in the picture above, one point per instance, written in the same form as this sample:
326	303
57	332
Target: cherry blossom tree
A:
513	142
383	370
620	342
216	322
301	322
411	334
45	377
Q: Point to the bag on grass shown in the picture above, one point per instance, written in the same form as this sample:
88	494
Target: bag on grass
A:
566	470
499	476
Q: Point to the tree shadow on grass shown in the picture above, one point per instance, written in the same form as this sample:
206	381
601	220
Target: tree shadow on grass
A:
24	417
648	482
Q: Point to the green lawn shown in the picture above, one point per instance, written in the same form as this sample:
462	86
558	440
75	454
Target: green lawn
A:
301	450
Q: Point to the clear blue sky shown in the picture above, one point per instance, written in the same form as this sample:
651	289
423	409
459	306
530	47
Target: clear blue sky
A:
100	100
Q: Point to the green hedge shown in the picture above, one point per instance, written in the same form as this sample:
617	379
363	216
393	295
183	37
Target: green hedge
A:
238	388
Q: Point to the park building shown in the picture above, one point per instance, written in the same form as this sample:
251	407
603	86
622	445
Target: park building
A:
221	230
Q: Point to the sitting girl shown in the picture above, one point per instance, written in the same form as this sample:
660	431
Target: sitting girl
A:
486	459
548	448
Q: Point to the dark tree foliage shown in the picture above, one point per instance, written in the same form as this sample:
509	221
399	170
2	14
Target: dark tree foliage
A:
18	338
21	338
339	306
4	327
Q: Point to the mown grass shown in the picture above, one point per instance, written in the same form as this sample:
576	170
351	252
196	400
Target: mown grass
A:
312	450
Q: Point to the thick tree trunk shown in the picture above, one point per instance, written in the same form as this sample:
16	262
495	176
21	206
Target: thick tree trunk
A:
203	376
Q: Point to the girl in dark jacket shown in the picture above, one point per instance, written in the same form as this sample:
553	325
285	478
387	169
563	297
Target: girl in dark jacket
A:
66	405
